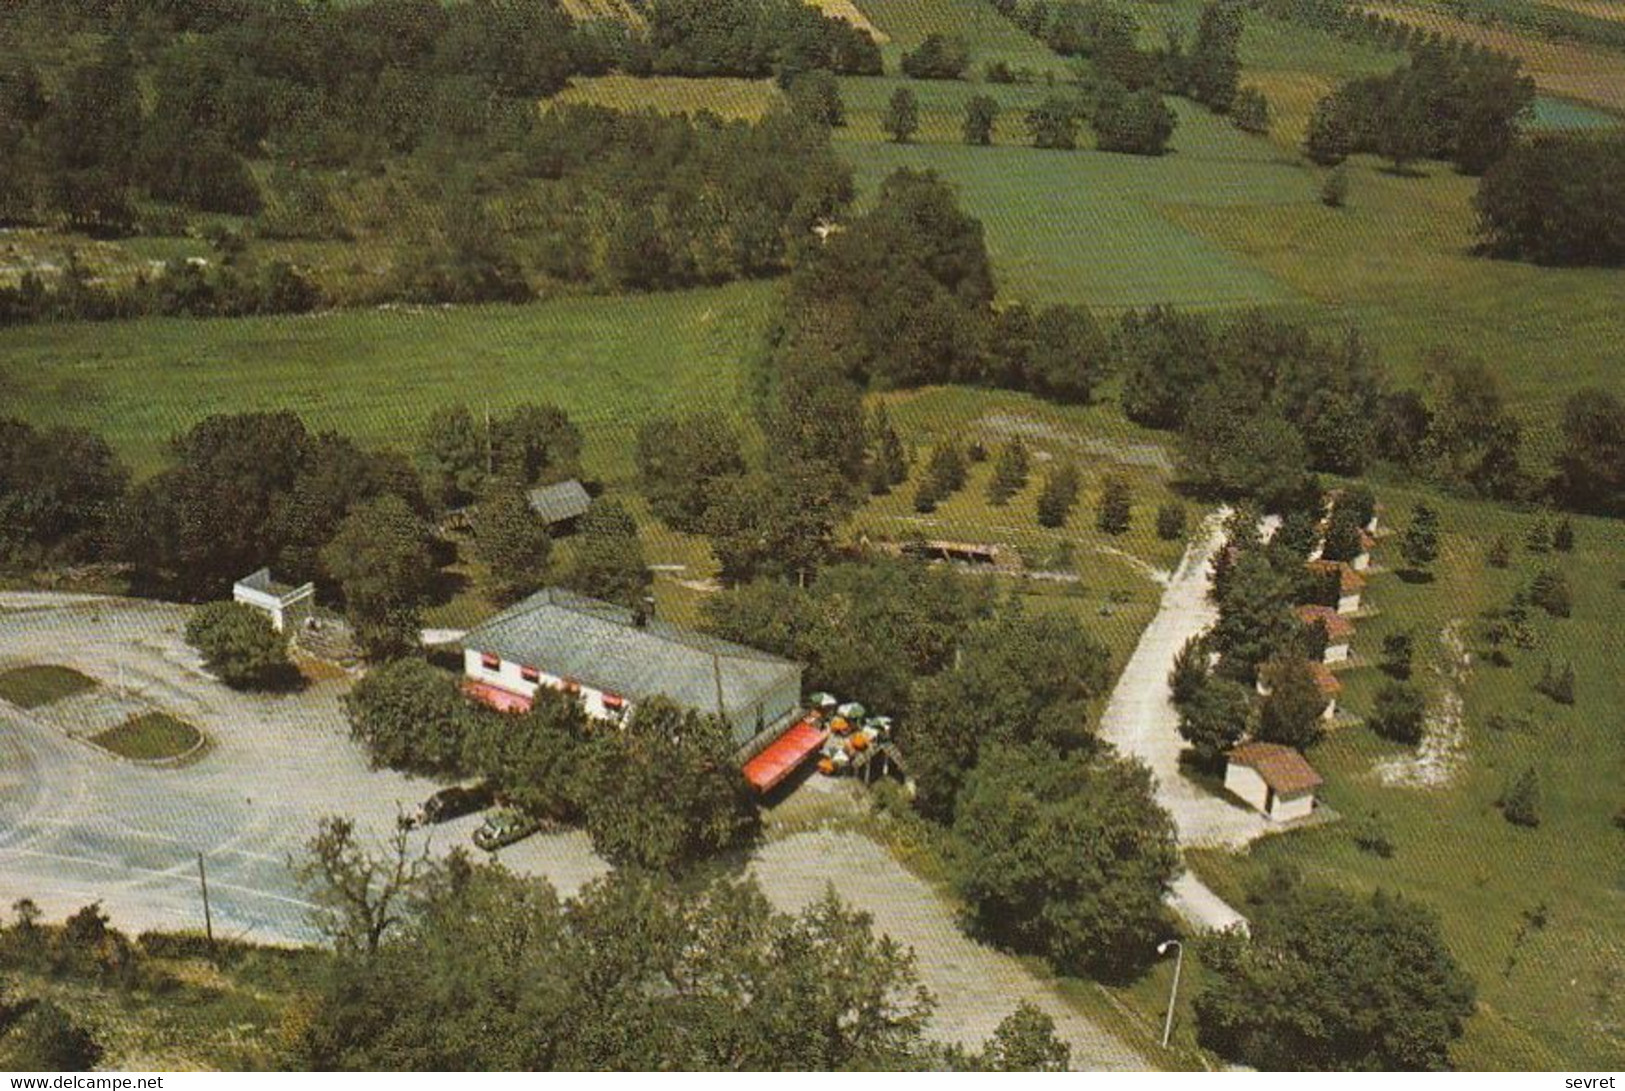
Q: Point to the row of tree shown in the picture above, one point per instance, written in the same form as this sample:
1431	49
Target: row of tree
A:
481	969
1449	102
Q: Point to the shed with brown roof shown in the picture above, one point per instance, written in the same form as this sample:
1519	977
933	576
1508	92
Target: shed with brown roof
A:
1276	780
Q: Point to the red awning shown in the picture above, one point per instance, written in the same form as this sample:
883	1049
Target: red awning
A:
784	756
496	697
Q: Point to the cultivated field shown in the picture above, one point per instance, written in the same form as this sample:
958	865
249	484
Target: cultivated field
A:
1557	999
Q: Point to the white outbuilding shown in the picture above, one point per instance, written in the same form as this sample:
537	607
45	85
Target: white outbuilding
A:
1275	780
287	606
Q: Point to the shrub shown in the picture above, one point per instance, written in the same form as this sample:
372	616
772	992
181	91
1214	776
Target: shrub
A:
240	646
1171	521
1563	537
1399	714
1557	683
1334	191
1550	591
1397	650
1520	803
48	1039
1116	507
1370	834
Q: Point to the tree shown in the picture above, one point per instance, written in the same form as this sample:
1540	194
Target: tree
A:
1009	473
1191	670
532	759
946	471
360	895
888	458
1070	354
780	525
1137	123
381	560
1058	496
1334	190
1549	590
902	116
1291	712
1473	440
1016	680
200	524
1116	507
410	716
59	490
1053	123
1171	521
534	444
1590	473
1251	111
1548	200
1397	649
1399	714
1558	684
240	646
454	453
1255	617
1520	803
1563	536
1333	981
606	559
937	57
1166	355
981	116
1327	141
1420	544
664	792
1025	1041
1214	718
816	96
683	461
1067	856
512	542
1214	63
640	972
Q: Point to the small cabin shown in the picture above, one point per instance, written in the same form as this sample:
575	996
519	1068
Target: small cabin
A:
1277	781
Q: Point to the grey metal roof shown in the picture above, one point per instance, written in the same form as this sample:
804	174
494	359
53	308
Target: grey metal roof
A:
601	645
556	503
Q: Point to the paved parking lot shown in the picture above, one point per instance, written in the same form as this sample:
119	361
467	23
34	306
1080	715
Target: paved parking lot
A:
78	825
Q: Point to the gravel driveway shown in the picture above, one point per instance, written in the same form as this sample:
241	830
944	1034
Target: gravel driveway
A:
1140	719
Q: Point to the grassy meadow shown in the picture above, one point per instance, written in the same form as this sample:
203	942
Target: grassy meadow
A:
36	686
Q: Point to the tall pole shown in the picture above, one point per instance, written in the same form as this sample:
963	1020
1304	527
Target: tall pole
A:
1173	992
208	919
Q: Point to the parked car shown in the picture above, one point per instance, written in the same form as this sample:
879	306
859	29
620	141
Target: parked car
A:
503	827
454	802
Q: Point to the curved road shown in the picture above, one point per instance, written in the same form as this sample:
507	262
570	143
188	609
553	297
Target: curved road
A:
1140	719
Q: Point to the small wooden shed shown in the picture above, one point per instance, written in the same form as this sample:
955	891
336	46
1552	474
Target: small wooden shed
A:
1275	780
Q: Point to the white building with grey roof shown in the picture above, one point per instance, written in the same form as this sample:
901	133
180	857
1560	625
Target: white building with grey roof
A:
611	658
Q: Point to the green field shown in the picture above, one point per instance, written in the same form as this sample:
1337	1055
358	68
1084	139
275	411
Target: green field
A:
377	374
1090	227
155	736
36	686
991	37
1562	1005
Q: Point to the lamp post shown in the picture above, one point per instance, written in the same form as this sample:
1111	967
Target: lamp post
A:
1173	992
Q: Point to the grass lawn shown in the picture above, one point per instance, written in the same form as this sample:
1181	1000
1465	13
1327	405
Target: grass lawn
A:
377	374
35	686
1559	1000
153	736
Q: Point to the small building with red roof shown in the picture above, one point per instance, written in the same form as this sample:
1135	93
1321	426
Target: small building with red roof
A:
1350	584
1275	780
1339	631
